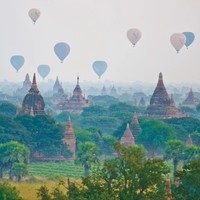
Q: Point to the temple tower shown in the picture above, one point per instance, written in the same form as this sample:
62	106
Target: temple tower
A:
77	102
162	106
127	138
33	102
70	139
135	126
191	101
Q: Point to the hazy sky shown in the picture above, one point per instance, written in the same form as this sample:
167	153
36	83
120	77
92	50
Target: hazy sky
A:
96	30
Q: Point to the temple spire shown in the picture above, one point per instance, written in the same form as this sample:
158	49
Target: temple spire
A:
160	76
34	88
70	139
77	80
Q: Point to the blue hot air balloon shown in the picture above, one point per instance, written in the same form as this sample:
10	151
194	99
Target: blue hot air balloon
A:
189	38
99	67
43	70
17	62
61	50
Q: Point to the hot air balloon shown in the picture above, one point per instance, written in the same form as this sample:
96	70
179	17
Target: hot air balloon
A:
43	70
99	67
34	14
17	61
178	40
189	38
61	50
134	35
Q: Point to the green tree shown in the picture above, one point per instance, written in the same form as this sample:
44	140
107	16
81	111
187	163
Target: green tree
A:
46	135
87	155
128	176
154	135
189	182
175	152
191	153
196	138
7	109
19	170
7	192
11	153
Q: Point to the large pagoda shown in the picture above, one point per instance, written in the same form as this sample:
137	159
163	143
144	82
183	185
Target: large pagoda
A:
162	106
33	102
76	103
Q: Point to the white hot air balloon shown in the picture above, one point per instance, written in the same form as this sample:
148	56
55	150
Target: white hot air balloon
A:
34	14
178	40
134	35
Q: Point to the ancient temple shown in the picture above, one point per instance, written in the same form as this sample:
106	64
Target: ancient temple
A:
142	102
162	106
127	138
59	95
76	103
113	91
56	86
70	139
135	126
103	91
26	86
191	101
33	102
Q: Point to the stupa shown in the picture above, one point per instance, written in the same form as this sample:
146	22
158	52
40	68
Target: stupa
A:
162	106
33	102
127	138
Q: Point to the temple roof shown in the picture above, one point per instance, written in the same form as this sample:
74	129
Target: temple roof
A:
135	119
56	85
127	139
160	94
191	100
161	105
34	88
77	90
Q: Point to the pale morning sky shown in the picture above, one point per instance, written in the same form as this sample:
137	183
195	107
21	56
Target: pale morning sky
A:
96	30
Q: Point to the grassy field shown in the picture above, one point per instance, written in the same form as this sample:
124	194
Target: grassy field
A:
48	174
55	170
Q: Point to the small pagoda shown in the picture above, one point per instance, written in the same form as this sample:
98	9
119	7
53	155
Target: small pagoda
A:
191	101
70	139
162	106
135	126
127	138
26	86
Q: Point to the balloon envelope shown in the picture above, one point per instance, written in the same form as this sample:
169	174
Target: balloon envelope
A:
134	35
99	67
17	61
61	50
34	14
43	70
178	40
189	38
